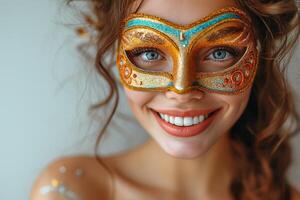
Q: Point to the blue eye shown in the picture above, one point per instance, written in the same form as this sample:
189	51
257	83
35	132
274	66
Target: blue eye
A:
220	55
150	56
213	59
146	54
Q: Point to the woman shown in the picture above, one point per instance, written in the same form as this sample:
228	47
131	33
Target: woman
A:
205	78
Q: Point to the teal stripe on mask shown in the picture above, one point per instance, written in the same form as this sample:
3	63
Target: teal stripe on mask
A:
176	32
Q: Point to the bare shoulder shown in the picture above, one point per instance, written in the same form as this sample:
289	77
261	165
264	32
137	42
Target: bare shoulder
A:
74	177
295	194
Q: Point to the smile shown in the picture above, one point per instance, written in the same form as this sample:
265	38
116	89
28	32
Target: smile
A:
184	124
183	121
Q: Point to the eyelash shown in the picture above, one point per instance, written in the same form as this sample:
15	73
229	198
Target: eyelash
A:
231	50
138	51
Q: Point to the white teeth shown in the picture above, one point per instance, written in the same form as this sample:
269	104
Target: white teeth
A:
178	121
161	115
171	120
167	118
187	121
201	118
183	121
196	120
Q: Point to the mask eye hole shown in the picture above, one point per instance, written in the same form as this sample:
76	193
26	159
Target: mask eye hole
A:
148	58
220	55
218	58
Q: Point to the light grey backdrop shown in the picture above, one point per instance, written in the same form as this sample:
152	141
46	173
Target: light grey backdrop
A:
45	90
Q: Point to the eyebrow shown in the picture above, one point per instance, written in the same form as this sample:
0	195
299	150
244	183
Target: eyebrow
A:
224	32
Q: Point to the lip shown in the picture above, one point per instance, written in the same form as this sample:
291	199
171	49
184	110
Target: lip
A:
188	113
185	131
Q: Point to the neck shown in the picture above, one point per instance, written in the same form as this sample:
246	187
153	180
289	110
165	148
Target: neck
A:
209	173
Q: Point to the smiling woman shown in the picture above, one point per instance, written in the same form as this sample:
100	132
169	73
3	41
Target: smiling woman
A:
205	78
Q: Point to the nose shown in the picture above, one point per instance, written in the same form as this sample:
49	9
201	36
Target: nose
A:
185	97
183	74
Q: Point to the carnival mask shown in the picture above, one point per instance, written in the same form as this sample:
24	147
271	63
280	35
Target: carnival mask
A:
215	54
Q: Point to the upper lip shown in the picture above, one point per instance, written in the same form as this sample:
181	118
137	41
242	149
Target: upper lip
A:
185	113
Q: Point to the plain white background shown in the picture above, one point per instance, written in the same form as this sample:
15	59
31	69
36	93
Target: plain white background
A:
45	91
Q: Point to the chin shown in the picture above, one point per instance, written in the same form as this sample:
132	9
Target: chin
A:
184	150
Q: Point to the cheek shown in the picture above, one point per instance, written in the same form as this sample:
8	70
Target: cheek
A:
235	106
138	100
239	102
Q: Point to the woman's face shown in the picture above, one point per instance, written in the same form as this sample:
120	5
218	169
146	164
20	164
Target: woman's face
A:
185	136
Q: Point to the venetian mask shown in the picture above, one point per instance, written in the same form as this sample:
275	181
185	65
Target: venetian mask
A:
217	53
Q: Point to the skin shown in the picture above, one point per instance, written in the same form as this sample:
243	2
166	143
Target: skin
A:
164	167
203	160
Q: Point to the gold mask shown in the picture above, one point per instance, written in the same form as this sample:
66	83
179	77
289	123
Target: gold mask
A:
215	54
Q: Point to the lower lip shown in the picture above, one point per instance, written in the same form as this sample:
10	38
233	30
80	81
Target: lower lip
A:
185	131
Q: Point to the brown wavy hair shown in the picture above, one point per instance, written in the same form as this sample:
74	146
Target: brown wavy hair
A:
260	138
